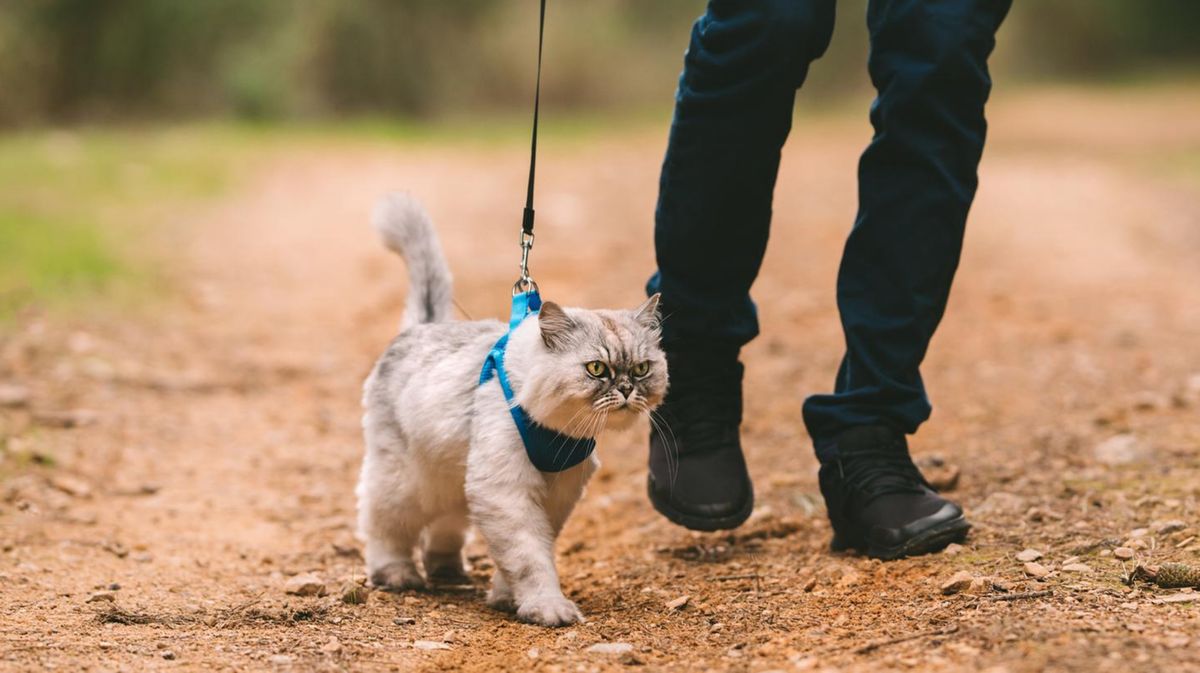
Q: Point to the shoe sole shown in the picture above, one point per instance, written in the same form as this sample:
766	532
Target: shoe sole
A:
701	523
932	540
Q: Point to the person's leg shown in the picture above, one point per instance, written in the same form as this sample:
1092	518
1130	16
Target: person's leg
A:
733	112
916	183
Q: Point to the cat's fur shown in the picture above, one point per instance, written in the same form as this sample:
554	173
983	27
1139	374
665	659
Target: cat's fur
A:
443	451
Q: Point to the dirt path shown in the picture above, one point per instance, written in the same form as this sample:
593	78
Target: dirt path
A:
222	454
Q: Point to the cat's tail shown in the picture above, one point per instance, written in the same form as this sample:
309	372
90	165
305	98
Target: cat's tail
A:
406	229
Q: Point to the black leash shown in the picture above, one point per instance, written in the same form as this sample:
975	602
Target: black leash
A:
525	283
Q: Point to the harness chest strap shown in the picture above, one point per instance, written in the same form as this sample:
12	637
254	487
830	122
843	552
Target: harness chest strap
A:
548	450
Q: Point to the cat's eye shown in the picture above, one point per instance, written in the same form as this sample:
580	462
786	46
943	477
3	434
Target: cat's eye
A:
597	369
641	369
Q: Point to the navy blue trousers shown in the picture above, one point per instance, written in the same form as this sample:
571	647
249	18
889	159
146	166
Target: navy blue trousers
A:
917	179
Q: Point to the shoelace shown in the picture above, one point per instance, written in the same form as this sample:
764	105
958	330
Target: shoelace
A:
880	470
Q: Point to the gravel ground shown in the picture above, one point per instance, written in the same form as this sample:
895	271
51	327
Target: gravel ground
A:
169	474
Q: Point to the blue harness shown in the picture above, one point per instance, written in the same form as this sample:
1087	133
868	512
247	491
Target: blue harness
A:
548	450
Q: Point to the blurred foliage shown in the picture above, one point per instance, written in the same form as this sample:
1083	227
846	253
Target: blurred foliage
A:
64	61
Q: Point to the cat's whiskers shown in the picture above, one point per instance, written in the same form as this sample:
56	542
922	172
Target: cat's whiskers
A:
641	405
669	439
591	424
568	435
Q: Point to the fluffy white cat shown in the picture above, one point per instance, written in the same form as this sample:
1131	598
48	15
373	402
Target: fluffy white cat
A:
443	451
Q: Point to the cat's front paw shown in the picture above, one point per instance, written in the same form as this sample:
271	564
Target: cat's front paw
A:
397	576
549	611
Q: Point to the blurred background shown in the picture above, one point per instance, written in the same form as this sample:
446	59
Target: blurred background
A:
131	103
73	61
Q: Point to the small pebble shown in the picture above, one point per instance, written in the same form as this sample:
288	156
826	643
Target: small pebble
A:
678	603
168	655
958	582
1029	555
1168	527
404	621
71	486
332	647
849	580
1034	569
1077	568
13	395
1123	553
980	585
305	584
1118	450
953	549
99	596
610	648
430	645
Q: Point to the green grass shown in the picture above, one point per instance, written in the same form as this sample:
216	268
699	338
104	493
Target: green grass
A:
75	207
43	257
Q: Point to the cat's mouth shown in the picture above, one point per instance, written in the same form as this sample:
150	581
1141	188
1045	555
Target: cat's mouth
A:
621	415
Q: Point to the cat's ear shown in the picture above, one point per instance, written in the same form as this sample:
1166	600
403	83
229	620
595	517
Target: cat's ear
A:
647	314
555	324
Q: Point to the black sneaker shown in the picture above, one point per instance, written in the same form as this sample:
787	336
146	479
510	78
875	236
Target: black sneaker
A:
879	502
698	476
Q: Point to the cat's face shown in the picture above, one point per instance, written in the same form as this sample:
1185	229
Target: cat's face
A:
599	369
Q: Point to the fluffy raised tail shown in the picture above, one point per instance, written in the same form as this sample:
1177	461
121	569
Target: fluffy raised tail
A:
408	231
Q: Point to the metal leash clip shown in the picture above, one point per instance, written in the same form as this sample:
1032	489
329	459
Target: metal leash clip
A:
525	283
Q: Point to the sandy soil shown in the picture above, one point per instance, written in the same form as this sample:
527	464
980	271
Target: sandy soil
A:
215	443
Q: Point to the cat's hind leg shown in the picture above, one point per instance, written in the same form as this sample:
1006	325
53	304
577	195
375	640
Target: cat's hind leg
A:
390	520
391	537
443	549
500	596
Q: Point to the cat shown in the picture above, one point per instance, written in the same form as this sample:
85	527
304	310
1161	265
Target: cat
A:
443	451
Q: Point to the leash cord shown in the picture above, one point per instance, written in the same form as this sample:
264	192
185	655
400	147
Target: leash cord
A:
527	221
525	282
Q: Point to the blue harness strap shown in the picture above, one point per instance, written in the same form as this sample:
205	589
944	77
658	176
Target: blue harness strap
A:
548	450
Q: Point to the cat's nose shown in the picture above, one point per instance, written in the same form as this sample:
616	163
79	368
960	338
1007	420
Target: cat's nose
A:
625	387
